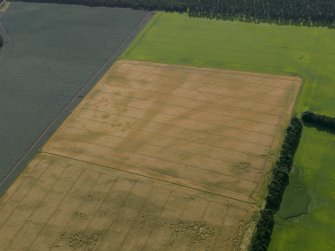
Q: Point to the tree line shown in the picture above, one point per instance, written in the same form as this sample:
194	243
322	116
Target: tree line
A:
150	5
1	42
307	12
319	121
280	177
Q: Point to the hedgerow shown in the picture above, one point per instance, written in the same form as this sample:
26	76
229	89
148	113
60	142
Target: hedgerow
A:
280	178
319	121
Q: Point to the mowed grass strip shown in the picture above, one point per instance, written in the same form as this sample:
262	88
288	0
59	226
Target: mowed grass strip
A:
165	122
303	51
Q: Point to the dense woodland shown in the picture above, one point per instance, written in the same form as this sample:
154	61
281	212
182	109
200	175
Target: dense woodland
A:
151	5
280	176
321	122
307	12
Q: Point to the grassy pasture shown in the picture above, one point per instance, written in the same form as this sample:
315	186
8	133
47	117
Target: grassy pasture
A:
307	52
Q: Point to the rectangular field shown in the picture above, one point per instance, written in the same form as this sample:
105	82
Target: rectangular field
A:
211	130
156	157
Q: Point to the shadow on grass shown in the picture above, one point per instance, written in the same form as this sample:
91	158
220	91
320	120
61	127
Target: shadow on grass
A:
320	128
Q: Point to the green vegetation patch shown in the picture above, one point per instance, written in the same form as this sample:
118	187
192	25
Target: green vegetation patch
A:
306	220
288	50
296	197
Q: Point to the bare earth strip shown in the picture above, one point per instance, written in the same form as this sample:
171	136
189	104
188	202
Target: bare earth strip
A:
156	157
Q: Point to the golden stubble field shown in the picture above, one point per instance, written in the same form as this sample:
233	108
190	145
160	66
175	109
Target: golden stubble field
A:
156	157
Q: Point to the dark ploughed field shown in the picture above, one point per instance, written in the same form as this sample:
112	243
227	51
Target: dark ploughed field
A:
50	53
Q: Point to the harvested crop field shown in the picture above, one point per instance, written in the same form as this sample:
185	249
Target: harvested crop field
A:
211	130
156	157
63	204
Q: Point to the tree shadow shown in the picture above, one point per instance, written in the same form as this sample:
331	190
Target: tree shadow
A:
320	128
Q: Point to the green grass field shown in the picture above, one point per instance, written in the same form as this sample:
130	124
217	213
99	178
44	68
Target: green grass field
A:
306	220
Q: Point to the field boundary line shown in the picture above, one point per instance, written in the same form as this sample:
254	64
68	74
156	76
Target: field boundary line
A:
74	210
223	221
225	148
197	100
74	183
169	147
216	71
20	165
169	104
186	166
152	178
115	180
3	202
158	216
185	128
26	194
34	210
116	214
133	166
138	213
201	220
177	220
212	93
184	117
275	147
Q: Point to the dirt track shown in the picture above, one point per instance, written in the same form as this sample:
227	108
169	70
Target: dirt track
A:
156	157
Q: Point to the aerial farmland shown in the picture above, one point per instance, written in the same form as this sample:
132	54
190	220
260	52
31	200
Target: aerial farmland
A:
50	55
134	128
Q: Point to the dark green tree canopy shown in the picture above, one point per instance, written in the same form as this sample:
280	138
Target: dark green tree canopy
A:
301	12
